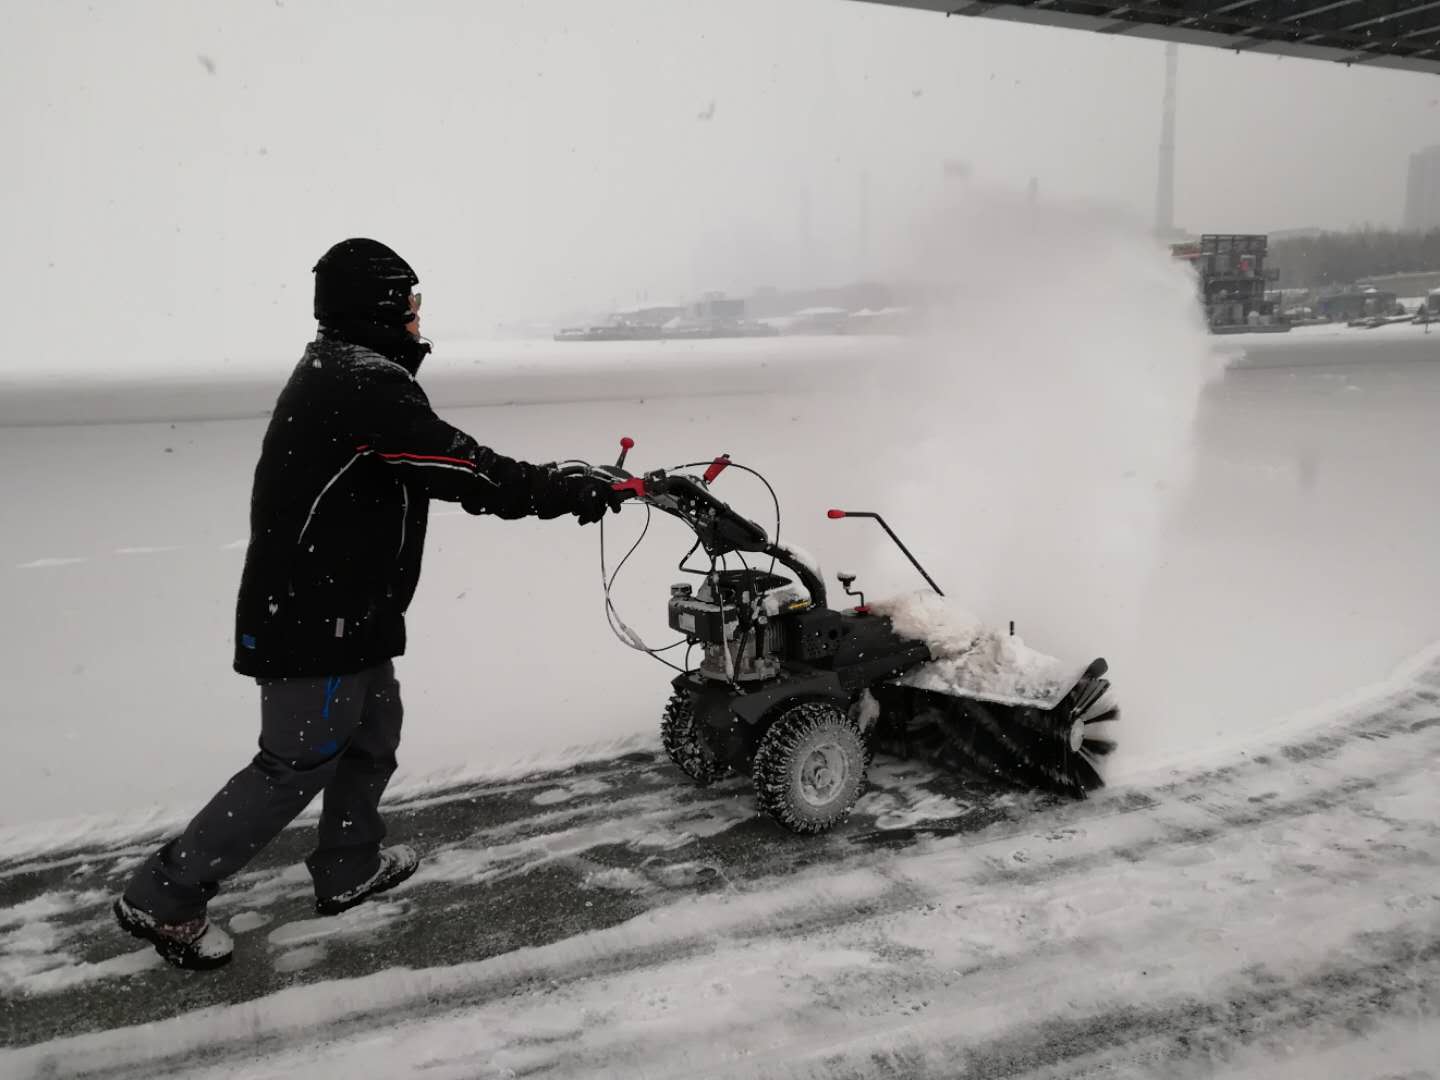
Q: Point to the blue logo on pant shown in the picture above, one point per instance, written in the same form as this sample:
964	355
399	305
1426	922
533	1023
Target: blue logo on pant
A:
332	685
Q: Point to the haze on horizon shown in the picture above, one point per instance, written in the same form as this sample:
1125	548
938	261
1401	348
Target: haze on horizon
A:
176	169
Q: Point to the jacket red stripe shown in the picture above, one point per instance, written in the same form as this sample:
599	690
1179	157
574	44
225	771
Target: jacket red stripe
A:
405	455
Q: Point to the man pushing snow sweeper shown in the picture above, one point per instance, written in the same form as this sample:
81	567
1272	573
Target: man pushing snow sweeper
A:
352	456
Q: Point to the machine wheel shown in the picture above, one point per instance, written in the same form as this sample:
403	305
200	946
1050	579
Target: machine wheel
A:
681	739
810	767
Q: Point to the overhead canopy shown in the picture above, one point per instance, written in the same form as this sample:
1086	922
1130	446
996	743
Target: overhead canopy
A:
1379	33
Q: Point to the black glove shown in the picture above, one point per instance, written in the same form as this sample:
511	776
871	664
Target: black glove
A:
591	496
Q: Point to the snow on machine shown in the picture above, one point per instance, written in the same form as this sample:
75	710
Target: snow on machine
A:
800	694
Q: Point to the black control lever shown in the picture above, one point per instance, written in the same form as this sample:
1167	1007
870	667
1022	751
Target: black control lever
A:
846	580
835	515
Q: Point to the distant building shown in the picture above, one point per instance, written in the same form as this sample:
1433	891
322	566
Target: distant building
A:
1231	274
1355	304
817	320
956	169
1422	190
647	316
717	307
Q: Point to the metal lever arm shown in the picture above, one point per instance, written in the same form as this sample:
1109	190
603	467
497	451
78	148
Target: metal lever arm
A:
836	515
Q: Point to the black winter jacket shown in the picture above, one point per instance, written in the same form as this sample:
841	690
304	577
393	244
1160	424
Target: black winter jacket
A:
350	461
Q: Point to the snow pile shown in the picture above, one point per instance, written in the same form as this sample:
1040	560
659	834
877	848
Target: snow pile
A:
971	658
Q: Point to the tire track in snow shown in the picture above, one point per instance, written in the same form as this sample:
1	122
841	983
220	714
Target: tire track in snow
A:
1012	895
1399	973
1384	967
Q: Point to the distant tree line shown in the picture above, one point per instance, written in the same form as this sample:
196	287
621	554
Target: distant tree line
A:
1339	258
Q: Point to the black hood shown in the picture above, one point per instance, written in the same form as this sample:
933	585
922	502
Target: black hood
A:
363	281
362	296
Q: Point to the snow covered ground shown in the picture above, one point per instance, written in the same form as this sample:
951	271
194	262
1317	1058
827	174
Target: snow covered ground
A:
119	695
1334	343
1288	559
1270	913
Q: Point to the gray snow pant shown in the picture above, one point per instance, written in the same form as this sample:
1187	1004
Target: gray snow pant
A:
335	734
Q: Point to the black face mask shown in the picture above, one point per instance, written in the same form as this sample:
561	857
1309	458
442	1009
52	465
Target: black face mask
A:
393	343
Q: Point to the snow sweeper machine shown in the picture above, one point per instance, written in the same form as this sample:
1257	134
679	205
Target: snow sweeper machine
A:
800	693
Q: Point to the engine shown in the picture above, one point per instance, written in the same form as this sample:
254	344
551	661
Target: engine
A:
738	617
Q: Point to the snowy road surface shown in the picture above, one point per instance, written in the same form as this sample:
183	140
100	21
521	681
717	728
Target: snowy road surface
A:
1269	913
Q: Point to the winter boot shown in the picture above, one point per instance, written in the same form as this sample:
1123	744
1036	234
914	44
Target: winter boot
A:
396	864
196	945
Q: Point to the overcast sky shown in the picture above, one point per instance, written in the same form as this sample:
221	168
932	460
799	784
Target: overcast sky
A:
174	169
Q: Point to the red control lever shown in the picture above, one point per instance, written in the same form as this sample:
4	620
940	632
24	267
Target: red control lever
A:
717	467
835	515
625	444
635	485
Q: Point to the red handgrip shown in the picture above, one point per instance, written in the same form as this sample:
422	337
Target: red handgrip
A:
716	467
635	485
835	515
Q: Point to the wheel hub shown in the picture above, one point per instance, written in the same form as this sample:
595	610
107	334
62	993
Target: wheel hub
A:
823	772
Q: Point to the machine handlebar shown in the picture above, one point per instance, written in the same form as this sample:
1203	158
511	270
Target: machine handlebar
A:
718	527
